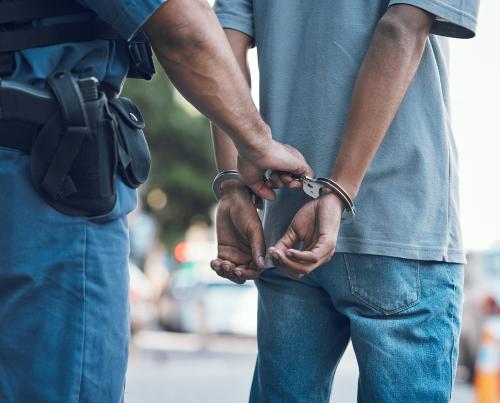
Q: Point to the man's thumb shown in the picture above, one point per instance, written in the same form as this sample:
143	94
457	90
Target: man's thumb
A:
258	245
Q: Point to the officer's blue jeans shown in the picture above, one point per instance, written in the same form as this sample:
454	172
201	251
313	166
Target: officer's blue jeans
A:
64	327
402	316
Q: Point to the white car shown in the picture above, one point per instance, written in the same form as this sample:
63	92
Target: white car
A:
208	304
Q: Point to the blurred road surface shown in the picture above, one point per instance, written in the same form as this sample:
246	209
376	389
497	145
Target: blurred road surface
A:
171	368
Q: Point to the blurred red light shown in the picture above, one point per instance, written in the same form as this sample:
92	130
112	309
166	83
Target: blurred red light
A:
180	252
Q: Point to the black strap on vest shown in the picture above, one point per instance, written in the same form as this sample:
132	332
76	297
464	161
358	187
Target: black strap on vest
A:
51	35
26	10
18	33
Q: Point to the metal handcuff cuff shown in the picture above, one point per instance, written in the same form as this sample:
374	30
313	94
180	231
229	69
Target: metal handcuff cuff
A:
313	187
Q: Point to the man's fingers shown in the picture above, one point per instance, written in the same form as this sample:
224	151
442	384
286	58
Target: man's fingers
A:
321	252
303	256
289	238
291	268
257	243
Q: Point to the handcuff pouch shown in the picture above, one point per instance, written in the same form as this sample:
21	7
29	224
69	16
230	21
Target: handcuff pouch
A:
133	151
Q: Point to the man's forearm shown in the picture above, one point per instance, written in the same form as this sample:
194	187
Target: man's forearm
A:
385	75
195	53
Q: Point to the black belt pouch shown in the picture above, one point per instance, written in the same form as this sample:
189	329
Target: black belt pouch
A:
134	158
74	155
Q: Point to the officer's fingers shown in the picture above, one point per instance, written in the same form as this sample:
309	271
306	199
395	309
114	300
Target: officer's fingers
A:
261	189
290	180
276	181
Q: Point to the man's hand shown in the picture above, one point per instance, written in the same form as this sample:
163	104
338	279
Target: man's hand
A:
277	157
317	225
241	246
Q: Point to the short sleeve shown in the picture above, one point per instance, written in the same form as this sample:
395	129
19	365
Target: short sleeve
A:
236	14
125	16
454	18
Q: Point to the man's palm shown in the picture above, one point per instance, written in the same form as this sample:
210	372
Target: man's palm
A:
240	239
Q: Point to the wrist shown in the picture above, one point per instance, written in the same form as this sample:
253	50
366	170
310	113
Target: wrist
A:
350	187
232	186
257	144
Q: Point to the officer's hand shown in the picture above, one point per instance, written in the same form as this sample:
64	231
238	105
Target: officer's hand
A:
278	157
241	247
317	225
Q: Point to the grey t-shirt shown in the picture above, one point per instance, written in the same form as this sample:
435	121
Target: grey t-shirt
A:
309	56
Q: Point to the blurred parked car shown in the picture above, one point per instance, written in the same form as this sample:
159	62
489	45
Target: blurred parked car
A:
143	307
482	302
208	304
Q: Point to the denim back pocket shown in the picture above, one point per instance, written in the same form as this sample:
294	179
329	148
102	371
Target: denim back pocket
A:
386	284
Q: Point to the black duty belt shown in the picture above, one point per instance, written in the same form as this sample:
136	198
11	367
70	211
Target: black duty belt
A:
22	114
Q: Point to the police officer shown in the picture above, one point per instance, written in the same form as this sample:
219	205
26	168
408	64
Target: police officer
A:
64	327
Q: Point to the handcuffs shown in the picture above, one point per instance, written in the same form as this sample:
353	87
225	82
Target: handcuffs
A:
313	187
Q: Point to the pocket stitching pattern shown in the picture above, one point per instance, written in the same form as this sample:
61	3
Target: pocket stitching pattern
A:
357	293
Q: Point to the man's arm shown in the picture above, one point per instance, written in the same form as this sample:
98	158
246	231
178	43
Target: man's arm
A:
195	53
385	75
240	237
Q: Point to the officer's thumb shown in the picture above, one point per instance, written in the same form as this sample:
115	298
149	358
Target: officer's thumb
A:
261	189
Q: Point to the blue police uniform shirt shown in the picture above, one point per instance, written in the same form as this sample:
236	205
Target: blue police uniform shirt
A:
309	56
106	60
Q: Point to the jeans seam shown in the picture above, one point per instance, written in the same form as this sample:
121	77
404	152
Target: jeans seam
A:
80	396
453	337
355	292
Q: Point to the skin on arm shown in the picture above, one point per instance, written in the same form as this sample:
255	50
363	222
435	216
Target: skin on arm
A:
240	238
386	73
194	52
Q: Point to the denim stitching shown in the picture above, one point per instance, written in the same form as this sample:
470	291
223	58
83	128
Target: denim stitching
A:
454	321
80	396
356	292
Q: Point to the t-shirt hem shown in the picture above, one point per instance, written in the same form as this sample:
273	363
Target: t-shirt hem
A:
405	251
450	21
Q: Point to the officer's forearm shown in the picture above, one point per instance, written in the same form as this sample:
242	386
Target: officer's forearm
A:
387	71
226	154
195	53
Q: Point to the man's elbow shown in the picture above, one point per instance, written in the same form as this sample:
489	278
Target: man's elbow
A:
177	26
405	26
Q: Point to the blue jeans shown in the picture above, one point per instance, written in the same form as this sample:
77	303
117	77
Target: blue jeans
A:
402	316
64	326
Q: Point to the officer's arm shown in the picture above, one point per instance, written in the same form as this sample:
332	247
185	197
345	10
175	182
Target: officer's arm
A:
385	75
226	154
195	53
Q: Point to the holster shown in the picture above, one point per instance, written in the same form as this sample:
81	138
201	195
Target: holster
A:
77	154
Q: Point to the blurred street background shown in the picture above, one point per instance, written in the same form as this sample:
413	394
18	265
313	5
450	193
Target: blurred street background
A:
194	334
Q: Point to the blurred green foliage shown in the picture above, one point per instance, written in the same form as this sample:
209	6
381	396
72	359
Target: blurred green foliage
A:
181	147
